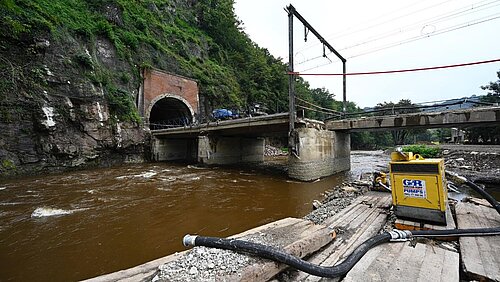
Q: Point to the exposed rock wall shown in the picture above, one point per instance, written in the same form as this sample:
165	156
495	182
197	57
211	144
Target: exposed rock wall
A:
53	111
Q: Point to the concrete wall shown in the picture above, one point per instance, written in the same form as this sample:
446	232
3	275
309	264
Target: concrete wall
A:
321	153
230	150
174	149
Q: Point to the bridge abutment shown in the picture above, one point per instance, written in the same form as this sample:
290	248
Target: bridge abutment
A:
230	150
321	153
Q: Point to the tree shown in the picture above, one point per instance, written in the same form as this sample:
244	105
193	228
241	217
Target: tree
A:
404	106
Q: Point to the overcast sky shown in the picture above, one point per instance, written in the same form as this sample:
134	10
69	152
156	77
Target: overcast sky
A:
356	28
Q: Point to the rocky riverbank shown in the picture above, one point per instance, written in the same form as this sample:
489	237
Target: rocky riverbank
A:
479	163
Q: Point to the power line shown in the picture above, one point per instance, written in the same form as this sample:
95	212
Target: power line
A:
417	107
402	70
319	111
416	38
465	10
345	33
431	21
317	106
412	39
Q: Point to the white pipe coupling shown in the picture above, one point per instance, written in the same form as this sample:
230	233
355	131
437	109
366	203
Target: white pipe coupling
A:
400	235
188	240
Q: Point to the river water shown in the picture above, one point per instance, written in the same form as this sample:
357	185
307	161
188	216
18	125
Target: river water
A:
82	224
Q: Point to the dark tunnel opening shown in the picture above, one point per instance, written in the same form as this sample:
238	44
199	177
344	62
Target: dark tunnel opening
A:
169	112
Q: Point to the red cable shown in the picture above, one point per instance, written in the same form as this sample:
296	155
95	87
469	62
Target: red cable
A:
396	71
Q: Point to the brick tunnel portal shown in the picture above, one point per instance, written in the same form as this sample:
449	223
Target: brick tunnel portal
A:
169	112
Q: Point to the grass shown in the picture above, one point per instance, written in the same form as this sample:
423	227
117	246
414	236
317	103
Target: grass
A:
423	150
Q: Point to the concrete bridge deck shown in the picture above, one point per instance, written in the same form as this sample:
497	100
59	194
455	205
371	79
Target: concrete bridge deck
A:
483	116
241	127
261	125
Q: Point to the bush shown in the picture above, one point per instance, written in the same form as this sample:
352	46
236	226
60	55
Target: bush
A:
423	150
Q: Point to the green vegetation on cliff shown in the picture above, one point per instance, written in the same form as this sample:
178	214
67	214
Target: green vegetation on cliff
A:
200	39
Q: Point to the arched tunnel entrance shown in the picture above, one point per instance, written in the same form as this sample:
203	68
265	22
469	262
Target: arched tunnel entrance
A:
169	112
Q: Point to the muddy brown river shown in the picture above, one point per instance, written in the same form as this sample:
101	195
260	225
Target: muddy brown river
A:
82	224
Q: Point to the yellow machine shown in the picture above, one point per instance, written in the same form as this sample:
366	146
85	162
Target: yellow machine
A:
419	189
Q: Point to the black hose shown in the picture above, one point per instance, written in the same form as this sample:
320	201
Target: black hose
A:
456	232
343	267
280	256
485	195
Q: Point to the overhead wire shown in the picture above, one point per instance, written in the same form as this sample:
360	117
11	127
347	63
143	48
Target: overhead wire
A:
400	70
366	26
319	111
464	10
418	106
317	106
416	38
430	21
420	37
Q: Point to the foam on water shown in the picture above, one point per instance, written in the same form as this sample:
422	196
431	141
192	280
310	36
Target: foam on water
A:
11	204
46	211
147	174
195	167
3	188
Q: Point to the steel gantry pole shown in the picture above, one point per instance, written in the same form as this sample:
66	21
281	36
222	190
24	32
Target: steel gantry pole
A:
307	26
344	95
291	85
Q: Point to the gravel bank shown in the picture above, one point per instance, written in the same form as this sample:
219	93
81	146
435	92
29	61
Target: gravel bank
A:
474	162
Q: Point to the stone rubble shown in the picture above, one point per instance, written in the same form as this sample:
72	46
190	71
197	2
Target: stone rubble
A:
477	166
208	264
270	151
335	200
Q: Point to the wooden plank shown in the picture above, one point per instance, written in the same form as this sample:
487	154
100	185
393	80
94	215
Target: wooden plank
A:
402	262
308	241
358	221
477	201
480	255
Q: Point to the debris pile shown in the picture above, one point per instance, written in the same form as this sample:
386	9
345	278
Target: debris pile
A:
475	165
270	151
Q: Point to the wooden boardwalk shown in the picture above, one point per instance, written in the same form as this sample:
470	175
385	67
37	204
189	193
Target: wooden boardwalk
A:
356	223
402	262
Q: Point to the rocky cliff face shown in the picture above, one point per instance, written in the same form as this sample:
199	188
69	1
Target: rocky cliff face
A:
70	74
54	110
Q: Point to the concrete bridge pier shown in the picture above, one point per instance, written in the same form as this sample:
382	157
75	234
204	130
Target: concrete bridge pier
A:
175	149
321	153
230	150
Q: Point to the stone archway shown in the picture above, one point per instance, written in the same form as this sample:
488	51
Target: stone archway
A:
169	110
